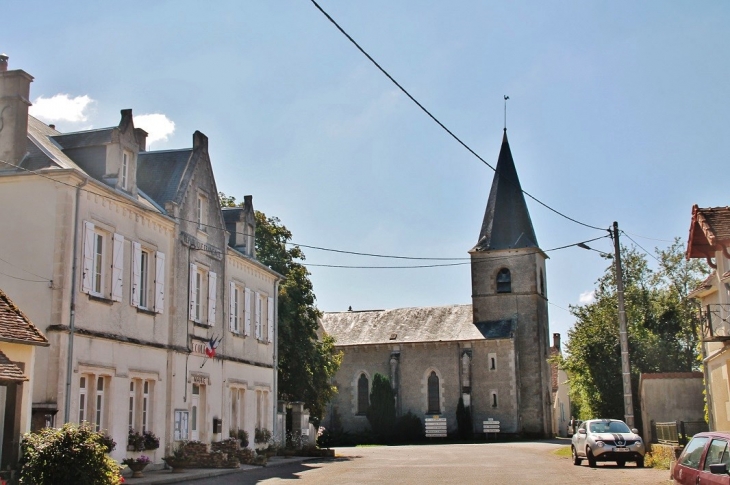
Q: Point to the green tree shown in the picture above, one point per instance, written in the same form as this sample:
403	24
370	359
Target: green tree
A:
69	455
381	411
662	327
307	361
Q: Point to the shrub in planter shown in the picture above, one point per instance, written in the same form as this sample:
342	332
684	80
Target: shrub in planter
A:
69	455
243	438
135	441
262	436
151	441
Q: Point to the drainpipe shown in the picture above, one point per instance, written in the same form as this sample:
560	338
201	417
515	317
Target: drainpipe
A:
72	310
276	359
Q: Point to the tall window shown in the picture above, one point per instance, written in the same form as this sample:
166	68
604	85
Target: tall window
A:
201	209
195	434
236	309
198	294
98	271
504	281
363	400
125	169
434	402
494	399
82	399
131	403
542	283
99	420
144	276
145	405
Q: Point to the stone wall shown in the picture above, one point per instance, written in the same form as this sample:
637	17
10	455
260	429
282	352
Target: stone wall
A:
200	457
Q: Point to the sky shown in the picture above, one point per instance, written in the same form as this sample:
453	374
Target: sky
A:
618	111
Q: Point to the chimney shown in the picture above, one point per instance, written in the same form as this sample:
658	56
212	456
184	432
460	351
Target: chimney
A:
556	341
200	141
14	103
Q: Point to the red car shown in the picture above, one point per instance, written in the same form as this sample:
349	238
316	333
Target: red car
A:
705	460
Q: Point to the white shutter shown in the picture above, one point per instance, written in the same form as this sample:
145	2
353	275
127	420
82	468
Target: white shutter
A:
193	290
159	282
231	305
212	279
136	272
247	310
270	320
258	316
88	257
117	265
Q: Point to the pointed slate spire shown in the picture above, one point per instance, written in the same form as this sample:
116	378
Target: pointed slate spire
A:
507	223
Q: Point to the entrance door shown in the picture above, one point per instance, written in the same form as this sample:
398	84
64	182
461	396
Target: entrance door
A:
194	429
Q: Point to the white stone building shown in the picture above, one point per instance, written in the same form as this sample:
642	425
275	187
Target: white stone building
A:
122	257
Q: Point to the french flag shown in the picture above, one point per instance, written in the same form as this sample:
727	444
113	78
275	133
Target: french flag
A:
211	346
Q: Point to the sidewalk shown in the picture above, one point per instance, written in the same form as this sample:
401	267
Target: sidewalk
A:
166	476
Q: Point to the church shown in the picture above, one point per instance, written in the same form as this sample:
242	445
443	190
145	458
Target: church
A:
492	354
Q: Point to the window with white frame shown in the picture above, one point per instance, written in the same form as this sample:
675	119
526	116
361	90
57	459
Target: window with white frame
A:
83	403
201	212
148	278
97	246
126	158
180	430
140	403
235	310
99	404
247	312
264	316
132	399
145	406
203	294
237	399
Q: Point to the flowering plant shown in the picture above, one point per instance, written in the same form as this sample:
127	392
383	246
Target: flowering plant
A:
141	459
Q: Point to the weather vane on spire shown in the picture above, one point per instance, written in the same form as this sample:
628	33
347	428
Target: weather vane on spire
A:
505	111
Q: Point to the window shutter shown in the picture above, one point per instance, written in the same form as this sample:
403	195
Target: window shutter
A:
159	282
193	290
212	279
231	305
247	309
117	265
258	316
136	272
270	322
88	257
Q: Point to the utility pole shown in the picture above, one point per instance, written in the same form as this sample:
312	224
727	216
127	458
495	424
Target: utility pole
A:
623	335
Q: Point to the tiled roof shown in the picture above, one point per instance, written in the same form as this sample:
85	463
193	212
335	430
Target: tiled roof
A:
424	324
709	231
78	139
159	173
15	326
10	372
705	285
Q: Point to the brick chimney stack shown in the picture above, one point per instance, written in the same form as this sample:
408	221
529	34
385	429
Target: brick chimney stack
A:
556	341
14	104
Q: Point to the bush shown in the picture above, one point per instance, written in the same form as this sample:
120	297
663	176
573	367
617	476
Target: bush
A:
262	436
69	455
381	412
409	428
463	421
243	438
135	440
151	441
109	442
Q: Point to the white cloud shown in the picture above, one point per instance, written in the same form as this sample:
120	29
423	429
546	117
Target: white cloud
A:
62	107
157	126
587	297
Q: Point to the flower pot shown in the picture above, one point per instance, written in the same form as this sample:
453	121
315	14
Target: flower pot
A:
178	465
137	469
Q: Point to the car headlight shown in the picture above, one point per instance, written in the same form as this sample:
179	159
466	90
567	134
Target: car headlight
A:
600	444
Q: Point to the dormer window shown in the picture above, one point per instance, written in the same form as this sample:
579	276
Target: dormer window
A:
201	212
504	281
124	176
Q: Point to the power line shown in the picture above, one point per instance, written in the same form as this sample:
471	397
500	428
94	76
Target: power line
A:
439	122
641	247
24	270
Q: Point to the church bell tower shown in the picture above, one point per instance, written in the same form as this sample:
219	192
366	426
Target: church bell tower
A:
508	285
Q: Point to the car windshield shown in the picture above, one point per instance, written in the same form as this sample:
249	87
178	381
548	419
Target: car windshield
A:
609	427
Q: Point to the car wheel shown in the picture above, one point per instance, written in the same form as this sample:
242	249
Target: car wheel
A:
640	462
591	458
621	463
576	461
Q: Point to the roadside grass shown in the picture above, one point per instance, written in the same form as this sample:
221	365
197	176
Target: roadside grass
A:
563	452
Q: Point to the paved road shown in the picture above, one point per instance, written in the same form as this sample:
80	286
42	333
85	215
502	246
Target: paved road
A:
497	463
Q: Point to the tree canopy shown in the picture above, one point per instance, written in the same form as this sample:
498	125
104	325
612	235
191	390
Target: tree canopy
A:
662	329
307	362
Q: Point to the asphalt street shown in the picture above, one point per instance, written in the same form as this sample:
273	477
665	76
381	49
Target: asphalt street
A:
499	463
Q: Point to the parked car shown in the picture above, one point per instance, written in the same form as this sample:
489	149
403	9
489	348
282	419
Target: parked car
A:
607	440
705	459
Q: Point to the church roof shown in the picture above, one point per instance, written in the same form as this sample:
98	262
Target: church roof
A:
422	324
507	223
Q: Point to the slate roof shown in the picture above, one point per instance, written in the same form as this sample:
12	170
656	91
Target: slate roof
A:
16	327
43	151
423	324
159	173
10	372
90	138
507	223
709	231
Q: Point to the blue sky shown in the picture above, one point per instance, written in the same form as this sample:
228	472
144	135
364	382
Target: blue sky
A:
618	111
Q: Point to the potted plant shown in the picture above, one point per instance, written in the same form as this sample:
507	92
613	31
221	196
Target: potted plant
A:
136	465
151	441
178	460
135	441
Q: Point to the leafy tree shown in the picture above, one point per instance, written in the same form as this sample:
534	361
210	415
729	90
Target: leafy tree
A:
69	455
381	411
662	328
307	362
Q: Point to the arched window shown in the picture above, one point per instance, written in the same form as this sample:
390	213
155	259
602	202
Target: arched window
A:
494	399
504	281
363	400
434	402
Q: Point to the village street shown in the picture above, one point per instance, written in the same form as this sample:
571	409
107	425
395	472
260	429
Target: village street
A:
508	463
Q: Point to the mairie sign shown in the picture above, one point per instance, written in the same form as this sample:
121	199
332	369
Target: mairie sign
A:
435	427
